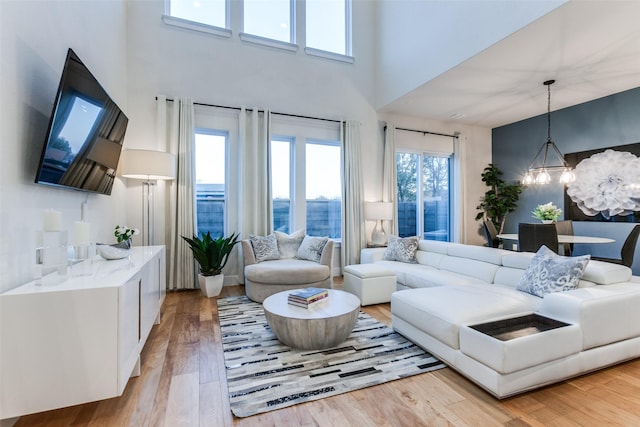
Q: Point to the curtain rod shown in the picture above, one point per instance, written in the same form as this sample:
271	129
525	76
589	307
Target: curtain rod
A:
424	132
261	111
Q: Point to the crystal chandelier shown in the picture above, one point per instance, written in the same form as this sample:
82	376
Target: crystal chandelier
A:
540	174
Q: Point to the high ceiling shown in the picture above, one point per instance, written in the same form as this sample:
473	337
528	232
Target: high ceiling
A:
591	49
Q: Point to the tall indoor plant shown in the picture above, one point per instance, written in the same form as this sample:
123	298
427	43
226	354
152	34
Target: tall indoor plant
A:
500	199
211	255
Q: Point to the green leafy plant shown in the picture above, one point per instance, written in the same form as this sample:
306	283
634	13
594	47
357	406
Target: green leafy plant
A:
501	198
547	212
211	254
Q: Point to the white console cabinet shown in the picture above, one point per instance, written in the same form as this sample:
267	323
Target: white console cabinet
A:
79	340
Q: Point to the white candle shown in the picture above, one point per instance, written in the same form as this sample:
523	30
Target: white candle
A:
52	220
81	233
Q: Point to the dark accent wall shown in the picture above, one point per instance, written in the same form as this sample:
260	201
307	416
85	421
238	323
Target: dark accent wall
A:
605	122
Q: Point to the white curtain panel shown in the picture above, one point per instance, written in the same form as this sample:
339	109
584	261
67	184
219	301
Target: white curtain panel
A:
182	266
458	227
353	231
389	178
255	206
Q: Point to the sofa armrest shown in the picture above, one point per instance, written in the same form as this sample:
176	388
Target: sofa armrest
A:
247	253
327	254
606	313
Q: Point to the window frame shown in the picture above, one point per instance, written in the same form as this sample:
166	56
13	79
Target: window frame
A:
199	130
257	39
420	198
202	27
292	181
301	130
347	56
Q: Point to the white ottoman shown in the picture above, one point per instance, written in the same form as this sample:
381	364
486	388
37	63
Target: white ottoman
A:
371	283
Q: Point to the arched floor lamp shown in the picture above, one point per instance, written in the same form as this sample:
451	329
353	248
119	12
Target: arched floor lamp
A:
148	166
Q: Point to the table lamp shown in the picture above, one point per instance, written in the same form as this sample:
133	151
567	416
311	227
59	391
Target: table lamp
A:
378	211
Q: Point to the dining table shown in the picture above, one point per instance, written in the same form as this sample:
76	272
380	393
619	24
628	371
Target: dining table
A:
564	238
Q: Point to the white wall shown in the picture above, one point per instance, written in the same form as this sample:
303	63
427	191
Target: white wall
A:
419	40
35	36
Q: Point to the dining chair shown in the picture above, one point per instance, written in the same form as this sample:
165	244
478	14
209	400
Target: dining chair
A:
532	236
628	249
491	234
565	227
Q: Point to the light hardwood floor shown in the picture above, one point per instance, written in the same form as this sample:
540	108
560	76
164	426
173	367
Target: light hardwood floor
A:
183	384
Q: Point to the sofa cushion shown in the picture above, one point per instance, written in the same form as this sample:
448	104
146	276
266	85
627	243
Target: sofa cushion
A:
508	276
311	248
606	273
549	272
402	249
434	246
287	272
431	259
265	248
469	267
288	244
434	277
479	253
519	260
439	311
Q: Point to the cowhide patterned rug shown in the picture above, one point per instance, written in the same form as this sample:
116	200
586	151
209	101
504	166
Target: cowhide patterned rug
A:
264	375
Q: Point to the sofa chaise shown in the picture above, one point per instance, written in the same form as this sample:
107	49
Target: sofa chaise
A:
456	301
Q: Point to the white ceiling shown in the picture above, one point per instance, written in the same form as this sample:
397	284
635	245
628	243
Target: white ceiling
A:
591	49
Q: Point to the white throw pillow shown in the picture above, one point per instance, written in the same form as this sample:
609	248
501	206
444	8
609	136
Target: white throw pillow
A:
265	248
288	244
549	272
311	248
402	249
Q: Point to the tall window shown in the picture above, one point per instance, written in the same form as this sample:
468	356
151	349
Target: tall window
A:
424	195
271	19
209	12
281	183
328	25
323	189
306	186
210	165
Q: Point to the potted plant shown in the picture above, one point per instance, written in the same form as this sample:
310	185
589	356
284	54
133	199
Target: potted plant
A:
547	213
501	198
212	255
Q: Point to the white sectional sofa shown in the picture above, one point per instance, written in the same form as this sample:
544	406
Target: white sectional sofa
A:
457	300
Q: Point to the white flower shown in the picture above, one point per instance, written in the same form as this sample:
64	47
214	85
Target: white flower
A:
607	183
124	233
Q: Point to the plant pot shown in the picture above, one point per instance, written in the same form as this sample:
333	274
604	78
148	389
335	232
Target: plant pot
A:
547	221
210	286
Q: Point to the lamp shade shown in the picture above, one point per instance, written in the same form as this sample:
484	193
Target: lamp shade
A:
148	165
378	210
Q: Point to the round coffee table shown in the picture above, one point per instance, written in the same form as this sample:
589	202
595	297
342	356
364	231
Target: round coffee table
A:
325	324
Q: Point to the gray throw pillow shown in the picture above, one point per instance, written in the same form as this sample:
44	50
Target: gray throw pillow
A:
549	272
402	249
288	244
265	248
311	248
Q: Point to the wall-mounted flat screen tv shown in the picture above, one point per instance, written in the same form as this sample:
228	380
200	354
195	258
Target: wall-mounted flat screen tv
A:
85	134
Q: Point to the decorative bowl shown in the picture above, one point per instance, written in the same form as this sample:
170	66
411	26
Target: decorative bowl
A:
115	251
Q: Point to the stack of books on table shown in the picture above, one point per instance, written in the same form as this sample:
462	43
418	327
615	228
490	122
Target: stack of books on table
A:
307	297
